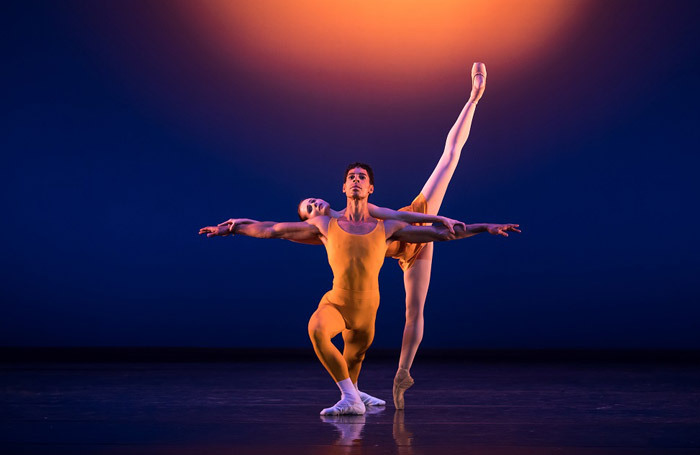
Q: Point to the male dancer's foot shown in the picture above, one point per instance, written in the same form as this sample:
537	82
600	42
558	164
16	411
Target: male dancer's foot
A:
402	382
478	82
345	407
350	402
369	400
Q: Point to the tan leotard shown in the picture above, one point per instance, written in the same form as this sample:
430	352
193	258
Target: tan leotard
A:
405	252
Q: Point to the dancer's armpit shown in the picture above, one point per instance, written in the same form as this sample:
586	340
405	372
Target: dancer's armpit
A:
307	241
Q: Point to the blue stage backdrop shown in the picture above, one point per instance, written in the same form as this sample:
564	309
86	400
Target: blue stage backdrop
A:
128	125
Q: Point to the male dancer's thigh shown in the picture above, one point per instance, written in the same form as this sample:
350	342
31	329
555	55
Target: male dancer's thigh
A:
356	342
326	320
359	334
359	337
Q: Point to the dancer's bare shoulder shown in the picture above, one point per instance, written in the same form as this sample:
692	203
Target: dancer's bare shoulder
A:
321	223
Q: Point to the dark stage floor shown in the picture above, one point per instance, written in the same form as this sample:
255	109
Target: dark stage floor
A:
272	408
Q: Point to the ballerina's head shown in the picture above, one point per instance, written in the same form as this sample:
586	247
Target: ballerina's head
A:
311	207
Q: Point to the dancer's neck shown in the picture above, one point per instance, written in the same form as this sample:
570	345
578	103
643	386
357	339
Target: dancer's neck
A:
357	210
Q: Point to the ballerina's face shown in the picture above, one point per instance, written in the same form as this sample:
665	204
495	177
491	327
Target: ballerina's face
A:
311	207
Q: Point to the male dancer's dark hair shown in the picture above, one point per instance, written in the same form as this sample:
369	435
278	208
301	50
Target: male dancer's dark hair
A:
364	166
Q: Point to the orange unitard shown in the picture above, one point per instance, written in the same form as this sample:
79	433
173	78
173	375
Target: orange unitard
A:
407	253
351	306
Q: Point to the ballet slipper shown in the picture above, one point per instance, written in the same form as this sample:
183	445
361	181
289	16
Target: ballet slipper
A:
369	400
402	382
478	85
345	407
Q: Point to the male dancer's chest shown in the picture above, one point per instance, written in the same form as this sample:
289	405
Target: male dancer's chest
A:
356	258
362	228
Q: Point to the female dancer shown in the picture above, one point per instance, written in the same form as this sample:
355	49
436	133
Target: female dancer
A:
415	259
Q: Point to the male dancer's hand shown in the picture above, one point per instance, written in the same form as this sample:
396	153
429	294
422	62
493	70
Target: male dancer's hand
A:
502	229
213	231
478	82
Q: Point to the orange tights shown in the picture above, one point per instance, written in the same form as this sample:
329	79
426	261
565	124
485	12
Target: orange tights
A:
351	313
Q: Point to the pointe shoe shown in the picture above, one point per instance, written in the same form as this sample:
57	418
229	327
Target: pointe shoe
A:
402	382
478	85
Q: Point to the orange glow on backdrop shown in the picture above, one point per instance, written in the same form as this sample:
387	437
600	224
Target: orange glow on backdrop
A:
390	45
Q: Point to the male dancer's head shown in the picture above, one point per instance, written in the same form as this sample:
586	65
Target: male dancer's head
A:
365	166
358	183
312	207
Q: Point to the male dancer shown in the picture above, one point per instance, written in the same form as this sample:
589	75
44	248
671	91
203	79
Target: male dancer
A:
356	244
416	259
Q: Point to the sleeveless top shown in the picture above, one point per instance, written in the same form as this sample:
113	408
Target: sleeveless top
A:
356	258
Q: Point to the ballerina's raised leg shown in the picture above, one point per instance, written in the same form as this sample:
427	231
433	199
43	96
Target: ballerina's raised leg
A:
417	276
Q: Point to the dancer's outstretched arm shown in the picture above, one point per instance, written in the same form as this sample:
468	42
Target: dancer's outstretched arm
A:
298	231
294	237
384	213
436	186
405	232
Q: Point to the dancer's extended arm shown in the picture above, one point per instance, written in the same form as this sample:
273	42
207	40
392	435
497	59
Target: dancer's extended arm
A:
294	237
298	231
384	213
423	234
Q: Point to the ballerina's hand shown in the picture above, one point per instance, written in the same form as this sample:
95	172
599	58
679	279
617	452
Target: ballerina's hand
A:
450	224
213	231
502	229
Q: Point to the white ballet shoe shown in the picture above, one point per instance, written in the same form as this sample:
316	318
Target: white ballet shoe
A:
345	407
369	400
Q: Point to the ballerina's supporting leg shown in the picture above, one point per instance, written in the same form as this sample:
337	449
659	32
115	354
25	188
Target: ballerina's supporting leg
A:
416	281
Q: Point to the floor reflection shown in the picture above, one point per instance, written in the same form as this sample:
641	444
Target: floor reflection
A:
169	409
402	436
350	429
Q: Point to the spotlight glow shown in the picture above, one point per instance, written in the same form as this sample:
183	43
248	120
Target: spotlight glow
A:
392	44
